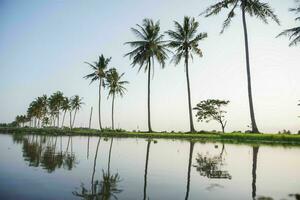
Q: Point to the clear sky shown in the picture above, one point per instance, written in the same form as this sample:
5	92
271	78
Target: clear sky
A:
43	46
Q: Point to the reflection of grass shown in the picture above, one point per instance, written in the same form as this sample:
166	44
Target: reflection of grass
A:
282	139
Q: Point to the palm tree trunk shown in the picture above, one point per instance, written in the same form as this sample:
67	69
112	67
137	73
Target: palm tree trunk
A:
100	85
253	122
192	129
90	117
70	120
254	166
74	118
149	78
62	124
112	112
58	119
189	171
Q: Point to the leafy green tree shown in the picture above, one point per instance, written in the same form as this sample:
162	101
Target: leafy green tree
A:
210	109
76	104
116	86
185	40
149	47
55	104
254	8
293	33
98	74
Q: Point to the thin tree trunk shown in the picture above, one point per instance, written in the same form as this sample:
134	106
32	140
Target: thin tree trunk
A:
149	78
192	129
112	112
253	122
62	124
254	166
100	85
189	171
88	148
146	170
90	117
109	156
58	119
70	120
94	168
74	118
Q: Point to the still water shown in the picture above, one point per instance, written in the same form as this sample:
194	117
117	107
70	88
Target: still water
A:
46	167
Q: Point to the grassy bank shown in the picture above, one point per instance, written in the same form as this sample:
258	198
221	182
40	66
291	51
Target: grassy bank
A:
275	139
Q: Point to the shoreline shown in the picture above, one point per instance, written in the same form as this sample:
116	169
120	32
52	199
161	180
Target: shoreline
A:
236	138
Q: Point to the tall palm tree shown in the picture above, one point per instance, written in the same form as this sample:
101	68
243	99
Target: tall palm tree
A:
99	69
76	104
149	47
254	8
293	33
185	41
66	106
116	86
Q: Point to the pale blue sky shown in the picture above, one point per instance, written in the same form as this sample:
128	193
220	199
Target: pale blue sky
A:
43	46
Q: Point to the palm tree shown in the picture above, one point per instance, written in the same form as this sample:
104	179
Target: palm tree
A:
76	104
149	46
55	103
99	69
254	8
185	41
66	106
293	33
116	87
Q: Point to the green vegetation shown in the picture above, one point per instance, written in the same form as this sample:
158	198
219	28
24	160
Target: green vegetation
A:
211	110
281	139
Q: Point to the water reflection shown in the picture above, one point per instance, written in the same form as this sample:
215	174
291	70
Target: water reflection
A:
211	166
42	151
52	153
105	188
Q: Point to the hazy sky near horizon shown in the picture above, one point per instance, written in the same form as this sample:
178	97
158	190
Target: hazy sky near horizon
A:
44	44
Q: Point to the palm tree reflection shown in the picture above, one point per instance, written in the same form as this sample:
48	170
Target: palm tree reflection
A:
42	151
106	188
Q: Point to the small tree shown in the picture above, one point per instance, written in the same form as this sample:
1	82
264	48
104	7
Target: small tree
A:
210	109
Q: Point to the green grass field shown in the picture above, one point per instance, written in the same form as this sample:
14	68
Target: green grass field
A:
273	139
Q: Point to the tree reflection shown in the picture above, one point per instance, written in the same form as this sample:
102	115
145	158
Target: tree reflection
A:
146	169
104	189
42	151
254	166
189	170
211	166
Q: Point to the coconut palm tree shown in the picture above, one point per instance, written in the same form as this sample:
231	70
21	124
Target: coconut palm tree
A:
66	106
99	69
149	47
293	33
185	41
76	104
254	8
115	86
